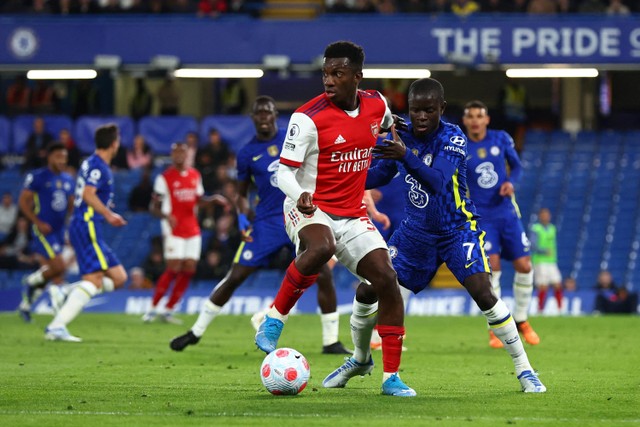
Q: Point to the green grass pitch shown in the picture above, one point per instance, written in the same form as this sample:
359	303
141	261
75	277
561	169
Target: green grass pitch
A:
124	374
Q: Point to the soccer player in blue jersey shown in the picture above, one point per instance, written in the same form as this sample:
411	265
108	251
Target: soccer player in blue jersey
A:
266	236
46	200
490	152
100	268
441	222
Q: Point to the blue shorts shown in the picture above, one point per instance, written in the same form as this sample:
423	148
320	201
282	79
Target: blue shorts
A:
48	246
505	235
417	257
269	237
92	253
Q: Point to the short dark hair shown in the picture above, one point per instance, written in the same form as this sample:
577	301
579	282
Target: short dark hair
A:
263	99
55	146
346	49
106	135
426	86
476	104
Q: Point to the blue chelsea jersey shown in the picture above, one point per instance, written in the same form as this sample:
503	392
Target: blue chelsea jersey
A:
258	162
487	162
96	173
445	210
51	194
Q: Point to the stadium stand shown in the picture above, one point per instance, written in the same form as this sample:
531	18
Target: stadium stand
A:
22	127
162	131
86	126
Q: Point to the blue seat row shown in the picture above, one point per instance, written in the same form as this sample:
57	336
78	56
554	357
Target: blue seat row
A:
159	131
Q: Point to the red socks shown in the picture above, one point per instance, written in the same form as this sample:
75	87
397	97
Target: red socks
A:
163	284
182	283
292	288
392	337
558	294
542	298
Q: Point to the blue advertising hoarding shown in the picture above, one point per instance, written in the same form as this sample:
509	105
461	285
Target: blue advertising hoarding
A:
400	39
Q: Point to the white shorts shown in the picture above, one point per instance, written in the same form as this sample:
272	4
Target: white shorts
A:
546	274
181	248
355	237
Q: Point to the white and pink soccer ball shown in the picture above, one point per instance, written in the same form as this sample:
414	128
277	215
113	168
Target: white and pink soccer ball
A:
285	372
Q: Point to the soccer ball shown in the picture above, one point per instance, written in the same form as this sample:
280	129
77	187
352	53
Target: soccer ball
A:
285	372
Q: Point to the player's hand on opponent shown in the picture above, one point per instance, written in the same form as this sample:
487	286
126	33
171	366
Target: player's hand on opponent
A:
115	219
43	227
399	122
172	221
506	189
381	218
393	149
244	225
305	204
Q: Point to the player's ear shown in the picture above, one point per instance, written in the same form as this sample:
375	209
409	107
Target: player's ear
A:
443	106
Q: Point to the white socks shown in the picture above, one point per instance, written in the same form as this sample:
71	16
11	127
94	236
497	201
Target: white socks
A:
504	327
275	314
36	278
107	285
330	323
495	283
363	319
208	312
522	293
77	299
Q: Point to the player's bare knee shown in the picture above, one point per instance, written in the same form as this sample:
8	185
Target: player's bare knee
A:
366	294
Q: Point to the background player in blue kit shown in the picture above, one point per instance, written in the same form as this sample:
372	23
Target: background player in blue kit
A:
257	164
441	224
100	268
491	189
46	200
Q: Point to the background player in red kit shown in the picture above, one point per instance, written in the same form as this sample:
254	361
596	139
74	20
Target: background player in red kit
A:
177	192
323	169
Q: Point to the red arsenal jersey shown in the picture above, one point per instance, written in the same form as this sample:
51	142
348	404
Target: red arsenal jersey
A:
180	191
332	149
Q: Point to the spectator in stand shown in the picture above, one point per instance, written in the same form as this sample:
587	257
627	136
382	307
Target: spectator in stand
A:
387	7
234	97
542	7
14	249
339	6
140	155
183	6
43	98
35	155
495	6
8	215
84	99
365	6
154	265
193	141
18	96
138	279
141	195
212	8
39	7
464	8
616	7
119	162
413	6
592	6
614	299
169	98
141	102
439	6
73	159
208	158
86	6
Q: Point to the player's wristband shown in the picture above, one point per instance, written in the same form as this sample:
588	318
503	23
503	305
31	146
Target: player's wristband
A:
243	222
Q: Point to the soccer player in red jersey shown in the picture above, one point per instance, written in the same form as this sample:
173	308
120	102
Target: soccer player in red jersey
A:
177	192
323	169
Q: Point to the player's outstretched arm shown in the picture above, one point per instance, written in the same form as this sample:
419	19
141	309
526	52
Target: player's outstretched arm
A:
91	198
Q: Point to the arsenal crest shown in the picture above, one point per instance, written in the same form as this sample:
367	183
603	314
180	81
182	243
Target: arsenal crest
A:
375	129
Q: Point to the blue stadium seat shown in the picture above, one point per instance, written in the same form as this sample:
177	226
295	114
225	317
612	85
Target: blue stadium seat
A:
5	135
86	126
162	131
235	131
23	126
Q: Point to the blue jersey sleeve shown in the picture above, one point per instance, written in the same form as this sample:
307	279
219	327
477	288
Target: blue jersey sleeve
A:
31	182
381	173
513	160
431	177
95	176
